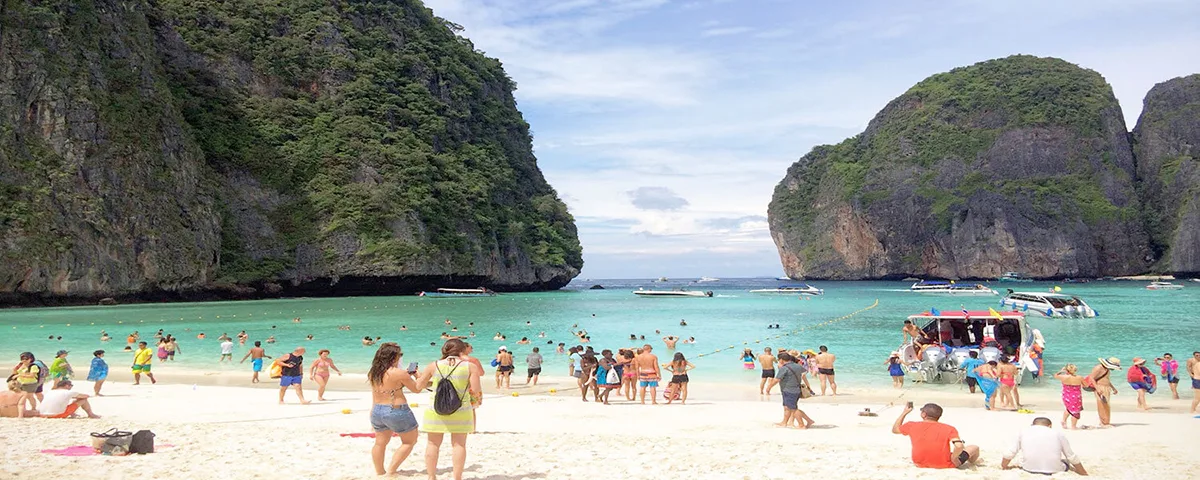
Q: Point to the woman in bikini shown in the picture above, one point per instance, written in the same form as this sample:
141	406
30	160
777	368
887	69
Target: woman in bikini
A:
987	375
1008	383
320	372
628	375
390	412
1072	394
678	387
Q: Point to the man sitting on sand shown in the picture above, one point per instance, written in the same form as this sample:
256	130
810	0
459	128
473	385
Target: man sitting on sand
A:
61	402
935	444
1043	450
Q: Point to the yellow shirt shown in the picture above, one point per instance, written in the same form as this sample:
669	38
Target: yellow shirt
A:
143	356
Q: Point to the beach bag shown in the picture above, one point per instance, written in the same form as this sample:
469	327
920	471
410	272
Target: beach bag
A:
446	399
142	442
112	442
612	378
1089	384
806	391
276	370
495	363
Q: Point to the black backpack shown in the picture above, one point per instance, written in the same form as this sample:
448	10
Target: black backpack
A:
446	399
143	442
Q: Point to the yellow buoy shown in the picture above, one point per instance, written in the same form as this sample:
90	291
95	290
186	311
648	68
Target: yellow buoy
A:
552	390
413	405
346	410
515	394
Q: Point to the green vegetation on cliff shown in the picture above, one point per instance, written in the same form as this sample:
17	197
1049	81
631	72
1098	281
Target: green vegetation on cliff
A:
174	145
1038	138
371	111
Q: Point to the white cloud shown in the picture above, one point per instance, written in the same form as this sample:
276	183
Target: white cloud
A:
725	31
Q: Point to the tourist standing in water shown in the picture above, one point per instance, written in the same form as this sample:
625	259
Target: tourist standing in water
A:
319	372
825	369
390	412
1170	372
533	365
1072	394
895	370
679	368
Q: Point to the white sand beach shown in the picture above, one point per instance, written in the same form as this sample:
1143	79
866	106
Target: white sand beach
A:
725	432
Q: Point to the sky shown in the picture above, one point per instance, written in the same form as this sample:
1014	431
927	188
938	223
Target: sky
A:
665	124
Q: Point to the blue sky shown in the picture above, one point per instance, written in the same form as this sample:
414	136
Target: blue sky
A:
665	125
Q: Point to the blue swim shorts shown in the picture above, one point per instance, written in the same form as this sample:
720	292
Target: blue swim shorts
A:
286	381
1196	383
399	419
257	364
648	383
791	401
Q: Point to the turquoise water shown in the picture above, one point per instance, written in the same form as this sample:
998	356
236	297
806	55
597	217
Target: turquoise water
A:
1133	322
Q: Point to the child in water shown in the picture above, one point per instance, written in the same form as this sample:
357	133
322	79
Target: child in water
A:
748	359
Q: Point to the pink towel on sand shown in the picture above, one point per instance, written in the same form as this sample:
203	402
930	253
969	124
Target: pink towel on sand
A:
76	451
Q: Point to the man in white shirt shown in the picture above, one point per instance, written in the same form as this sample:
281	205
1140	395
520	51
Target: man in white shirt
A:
1043	450
226	351
61	402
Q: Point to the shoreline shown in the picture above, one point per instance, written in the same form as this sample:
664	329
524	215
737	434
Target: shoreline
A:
543	436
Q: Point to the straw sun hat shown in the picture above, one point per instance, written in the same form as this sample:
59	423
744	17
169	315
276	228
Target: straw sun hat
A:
1111	363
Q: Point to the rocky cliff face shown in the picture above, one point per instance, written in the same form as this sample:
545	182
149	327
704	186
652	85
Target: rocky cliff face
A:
179	149
1021	163
1167	145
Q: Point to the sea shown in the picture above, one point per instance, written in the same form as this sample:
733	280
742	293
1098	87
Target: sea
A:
858	321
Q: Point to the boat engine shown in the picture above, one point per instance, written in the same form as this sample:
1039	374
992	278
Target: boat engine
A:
959	355
989	354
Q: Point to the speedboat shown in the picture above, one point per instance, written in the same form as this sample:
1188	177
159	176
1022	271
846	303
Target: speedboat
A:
1013	277
458	293
676	293
661	279
784	278
942	287
1048	304
707	279
947	338
1163	286
802	289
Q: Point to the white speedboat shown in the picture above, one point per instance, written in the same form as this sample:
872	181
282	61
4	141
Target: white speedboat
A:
676	293
1013	277
784	279
1163	286
458	293
1048	304
942	287
661	279
707	279
802	289
949	337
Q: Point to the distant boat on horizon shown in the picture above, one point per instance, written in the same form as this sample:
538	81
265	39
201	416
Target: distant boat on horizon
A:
707	279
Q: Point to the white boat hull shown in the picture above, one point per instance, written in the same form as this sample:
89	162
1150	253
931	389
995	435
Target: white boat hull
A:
672	294
1047	310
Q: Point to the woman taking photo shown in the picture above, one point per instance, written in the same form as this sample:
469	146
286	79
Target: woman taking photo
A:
390	412
464	377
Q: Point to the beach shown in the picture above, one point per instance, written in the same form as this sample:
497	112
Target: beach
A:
215	425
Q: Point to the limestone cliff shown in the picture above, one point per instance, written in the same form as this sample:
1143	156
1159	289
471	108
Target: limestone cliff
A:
1167	147
179	149
1020	163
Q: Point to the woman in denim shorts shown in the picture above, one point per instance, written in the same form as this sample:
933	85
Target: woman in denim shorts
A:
390	412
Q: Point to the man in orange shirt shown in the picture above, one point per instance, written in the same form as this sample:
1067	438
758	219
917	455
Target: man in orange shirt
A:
935	444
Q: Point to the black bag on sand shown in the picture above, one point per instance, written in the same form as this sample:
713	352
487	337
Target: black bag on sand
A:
143	442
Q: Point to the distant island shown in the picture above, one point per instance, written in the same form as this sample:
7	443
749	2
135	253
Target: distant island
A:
1014	164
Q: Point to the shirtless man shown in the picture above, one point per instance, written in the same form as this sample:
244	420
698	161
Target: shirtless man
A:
1194	370
825	369
256	355
910	331
11	405
504	359
648	373
767	361
1102	374
670	341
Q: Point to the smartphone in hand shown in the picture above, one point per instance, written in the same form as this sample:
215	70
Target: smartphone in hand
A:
909	405
412	367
